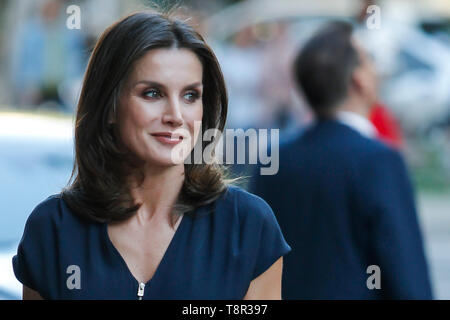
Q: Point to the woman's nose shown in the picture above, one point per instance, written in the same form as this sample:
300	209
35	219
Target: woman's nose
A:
172	114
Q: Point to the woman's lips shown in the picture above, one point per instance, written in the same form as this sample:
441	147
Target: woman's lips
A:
167	138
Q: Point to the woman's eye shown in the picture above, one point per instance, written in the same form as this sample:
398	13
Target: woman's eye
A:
152	94
191	96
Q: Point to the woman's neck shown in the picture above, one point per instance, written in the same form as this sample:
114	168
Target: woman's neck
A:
158	192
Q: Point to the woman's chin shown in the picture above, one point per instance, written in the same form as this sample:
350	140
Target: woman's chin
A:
167	156
164	161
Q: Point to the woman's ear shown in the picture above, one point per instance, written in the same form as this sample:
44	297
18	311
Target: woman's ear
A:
112	115
111	120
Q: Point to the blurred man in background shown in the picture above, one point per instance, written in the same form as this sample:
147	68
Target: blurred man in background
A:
344	200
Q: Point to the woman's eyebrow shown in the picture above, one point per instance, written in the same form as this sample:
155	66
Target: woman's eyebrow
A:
161	86
149	83
194	85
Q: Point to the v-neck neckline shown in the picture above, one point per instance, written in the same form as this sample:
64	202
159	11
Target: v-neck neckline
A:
172	243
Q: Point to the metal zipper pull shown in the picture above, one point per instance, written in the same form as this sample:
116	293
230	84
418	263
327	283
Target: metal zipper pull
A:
140	292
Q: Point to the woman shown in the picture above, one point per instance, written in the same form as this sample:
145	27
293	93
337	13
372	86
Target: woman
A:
138	221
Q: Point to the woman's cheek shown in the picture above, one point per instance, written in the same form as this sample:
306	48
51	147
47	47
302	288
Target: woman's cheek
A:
197	124
144	115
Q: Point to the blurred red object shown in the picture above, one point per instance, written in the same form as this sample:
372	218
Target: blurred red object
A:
387	126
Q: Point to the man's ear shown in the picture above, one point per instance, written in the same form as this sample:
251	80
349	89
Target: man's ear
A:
356	81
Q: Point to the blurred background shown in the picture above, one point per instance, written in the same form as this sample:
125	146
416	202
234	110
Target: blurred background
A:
42	63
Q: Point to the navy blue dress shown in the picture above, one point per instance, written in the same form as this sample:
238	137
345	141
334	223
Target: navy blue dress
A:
216	251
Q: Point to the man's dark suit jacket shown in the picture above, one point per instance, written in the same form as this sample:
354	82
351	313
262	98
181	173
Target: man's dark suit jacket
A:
344	202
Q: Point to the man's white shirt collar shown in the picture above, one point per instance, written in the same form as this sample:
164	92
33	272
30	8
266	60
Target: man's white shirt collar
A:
358	123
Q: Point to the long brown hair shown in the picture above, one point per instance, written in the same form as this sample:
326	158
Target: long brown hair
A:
99	191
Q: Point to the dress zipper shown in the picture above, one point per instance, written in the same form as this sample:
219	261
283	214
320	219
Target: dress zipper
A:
140	292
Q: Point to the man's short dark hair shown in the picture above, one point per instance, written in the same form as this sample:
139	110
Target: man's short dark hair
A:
324	67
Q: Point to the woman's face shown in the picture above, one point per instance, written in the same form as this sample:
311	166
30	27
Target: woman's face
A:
160	106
